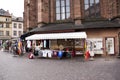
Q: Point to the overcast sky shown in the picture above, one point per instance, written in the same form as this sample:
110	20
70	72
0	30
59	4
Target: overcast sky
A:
14	6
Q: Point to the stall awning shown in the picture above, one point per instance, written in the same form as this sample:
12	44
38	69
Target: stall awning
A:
71	35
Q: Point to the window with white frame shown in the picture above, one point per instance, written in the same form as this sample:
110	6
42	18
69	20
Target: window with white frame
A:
20	26
19	33
7	25
15	33
1	33
7	33
1	25
15	25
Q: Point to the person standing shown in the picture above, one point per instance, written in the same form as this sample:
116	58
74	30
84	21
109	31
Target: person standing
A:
29	45
19	47
16	47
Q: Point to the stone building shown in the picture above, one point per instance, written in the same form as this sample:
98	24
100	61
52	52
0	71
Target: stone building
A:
5	26
98	18
17	27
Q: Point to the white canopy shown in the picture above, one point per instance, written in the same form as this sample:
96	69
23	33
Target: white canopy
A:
71	35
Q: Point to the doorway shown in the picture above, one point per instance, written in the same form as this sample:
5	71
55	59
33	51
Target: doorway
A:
110	46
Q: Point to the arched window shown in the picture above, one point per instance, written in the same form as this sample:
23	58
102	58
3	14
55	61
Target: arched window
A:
62	9
92	8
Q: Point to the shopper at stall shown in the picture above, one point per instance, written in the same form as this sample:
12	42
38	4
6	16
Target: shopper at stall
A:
29	45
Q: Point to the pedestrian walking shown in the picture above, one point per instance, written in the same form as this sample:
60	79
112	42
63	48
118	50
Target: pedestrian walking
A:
87	55
19	47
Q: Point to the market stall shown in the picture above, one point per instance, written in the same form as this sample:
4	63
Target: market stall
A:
72	42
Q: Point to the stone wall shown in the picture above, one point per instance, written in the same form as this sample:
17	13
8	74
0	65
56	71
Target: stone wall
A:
43	11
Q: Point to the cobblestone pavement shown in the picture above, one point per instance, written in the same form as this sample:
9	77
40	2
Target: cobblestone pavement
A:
22	68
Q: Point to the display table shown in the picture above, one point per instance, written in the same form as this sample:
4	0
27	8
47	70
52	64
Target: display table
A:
47	53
